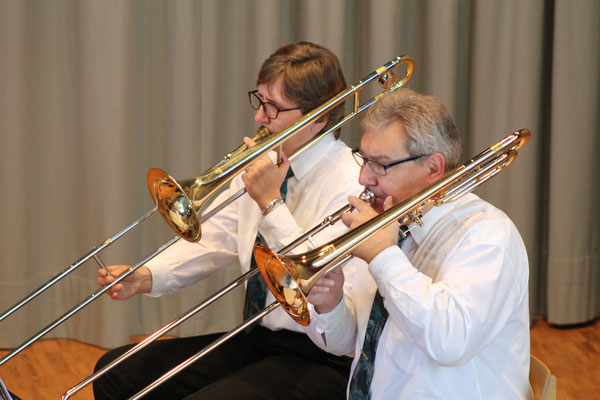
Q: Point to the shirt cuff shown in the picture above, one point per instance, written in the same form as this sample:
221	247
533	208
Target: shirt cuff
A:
161	277
279	227
333	317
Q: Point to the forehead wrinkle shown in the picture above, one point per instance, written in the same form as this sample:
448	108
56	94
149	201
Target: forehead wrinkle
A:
382	153
381	158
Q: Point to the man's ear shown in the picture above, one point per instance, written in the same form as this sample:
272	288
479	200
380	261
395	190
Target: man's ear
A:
436	166
319	124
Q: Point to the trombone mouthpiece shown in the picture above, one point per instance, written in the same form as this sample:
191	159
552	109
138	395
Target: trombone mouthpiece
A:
261	133
367	196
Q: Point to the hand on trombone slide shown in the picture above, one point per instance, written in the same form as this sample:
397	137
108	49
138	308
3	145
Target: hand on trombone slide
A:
379	241
263	178
327	292
138	282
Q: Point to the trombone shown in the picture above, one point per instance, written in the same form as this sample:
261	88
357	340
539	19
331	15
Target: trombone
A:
180	202
291	278
328	221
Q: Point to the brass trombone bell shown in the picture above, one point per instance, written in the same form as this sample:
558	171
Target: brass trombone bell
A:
172	198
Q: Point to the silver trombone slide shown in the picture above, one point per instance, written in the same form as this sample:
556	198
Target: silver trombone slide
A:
257	317
366	195
103	290
252	320
93	253
85	302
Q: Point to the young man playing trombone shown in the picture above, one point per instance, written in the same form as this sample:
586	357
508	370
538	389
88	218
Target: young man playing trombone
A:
275	359
445	312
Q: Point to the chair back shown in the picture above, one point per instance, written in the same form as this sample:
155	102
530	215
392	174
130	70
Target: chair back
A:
542	381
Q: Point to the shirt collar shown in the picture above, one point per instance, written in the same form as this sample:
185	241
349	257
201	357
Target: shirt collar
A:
302	164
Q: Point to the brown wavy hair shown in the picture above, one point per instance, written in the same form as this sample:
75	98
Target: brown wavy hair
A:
310	74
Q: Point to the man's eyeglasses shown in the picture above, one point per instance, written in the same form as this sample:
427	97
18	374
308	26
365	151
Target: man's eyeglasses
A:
378	168
270	109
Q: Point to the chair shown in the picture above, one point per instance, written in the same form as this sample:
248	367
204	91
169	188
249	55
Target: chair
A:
542	381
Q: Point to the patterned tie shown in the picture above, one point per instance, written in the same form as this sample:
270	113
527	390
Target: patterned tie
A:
363	373
256	289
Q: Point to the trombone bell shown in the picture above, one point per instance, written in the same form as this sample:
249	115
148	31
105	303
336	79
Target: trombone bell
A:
175	201
290	278
283	281
174	204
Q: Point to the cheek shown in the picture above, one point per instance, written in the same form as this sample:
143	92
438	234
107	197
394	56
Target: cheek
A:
395	189
272	125
279	124
388	186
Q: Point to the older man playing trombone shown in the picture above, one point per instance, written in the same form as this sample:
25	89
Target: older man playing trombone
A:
275	359
445	313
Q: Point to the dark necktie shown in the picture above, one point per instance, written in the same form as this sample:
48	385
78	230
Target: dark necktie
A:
256	289
363	373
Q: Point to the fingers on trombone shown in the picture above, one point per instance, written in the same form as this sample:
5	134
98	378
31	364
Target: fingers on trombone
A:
105	278
115	291
249	142
363	207
103	274
357	203
323	285
387	203
363	212
284	163
347	218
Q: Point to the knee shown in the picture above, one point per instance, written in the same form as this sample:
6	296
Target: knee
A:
105	360
110	356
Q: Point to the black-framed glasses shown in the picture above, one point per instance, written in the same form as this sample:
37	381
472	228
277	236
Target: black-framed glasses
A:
270	109
376	167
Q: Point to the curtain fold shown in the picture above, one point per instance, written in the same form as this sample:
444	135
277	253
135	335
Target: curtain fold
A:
574	192
93	94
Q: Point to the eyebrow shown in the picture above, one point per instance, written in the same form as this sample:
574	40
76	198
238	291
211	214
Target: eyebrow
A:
269	100
378	158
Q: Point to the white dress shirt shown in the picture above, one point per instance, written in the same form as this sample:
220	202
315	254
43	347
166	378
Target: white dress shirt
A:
457	297
324	176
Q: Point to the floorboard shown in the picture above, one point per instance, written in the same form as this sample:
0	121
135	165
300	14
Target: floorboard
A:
49	367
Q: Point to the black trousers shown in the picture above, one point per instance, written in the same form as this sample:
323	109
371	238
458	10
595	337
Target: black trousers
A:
14	396
260	364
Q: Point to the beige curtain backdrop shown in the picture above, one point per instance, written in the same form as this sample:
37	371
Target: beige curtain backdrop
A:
94	93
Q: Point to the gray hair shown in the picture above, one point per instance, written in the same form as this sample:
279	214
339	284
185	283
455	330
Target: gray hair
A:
429	127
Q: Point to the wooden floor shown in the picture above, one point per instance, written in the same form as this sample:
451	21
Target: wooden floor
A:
50	367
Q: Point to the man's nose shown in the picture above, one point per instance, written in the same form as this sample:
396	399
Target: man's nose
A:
366	176
260	117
